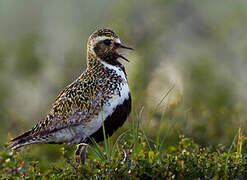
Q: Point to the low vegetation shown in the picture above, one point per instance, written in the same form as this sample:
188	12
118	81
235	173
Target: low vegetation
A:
134	155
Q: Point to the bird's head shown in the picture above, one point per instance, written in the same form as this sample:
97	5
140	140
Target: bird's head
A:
104	44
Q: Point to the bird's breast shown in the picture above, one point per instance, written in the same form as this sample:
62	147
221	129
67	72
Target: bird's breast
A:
107	109
118	91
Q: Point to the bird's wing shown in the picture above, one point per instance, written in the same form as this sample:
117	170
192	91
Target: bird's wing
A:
76	104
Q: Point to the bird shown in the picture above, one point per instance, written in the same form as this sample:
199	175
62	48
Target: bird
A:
99	98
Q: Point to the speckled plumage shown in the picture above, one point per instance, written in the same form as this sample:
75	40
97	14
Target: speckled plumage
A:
80	109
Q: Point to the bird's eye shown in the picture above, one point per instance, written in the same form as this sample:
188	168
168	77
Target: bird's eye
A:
107	42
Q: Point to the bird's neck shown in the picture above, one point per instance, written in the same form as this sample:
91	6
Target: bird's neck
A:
93	61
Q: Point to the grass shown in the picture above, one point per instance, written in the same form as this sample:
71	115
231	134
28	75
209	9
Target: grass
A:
134	155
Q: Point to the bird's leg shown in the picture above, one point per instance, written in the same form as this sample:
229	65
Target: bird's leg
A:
80	153
83	154
77	153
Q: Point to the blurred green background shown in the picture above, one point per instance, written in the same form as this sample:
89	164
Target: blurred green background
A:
199	47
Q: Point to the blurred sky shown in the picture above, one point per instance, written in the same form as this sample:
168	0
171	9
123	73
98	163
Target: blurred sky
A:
199	46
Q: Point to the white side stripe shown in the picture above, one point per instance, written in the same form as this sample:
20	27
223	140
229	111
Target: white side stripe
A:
111	105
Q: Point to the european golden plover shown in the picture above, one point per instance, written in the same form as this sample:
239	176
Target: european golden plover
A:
100	94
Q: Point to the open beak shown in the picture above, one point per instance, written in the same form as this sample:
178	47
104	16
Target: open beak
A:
125	47
118	45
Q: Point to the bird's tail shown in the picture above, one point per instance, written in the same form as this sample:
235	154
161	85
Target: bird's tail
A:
22	140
